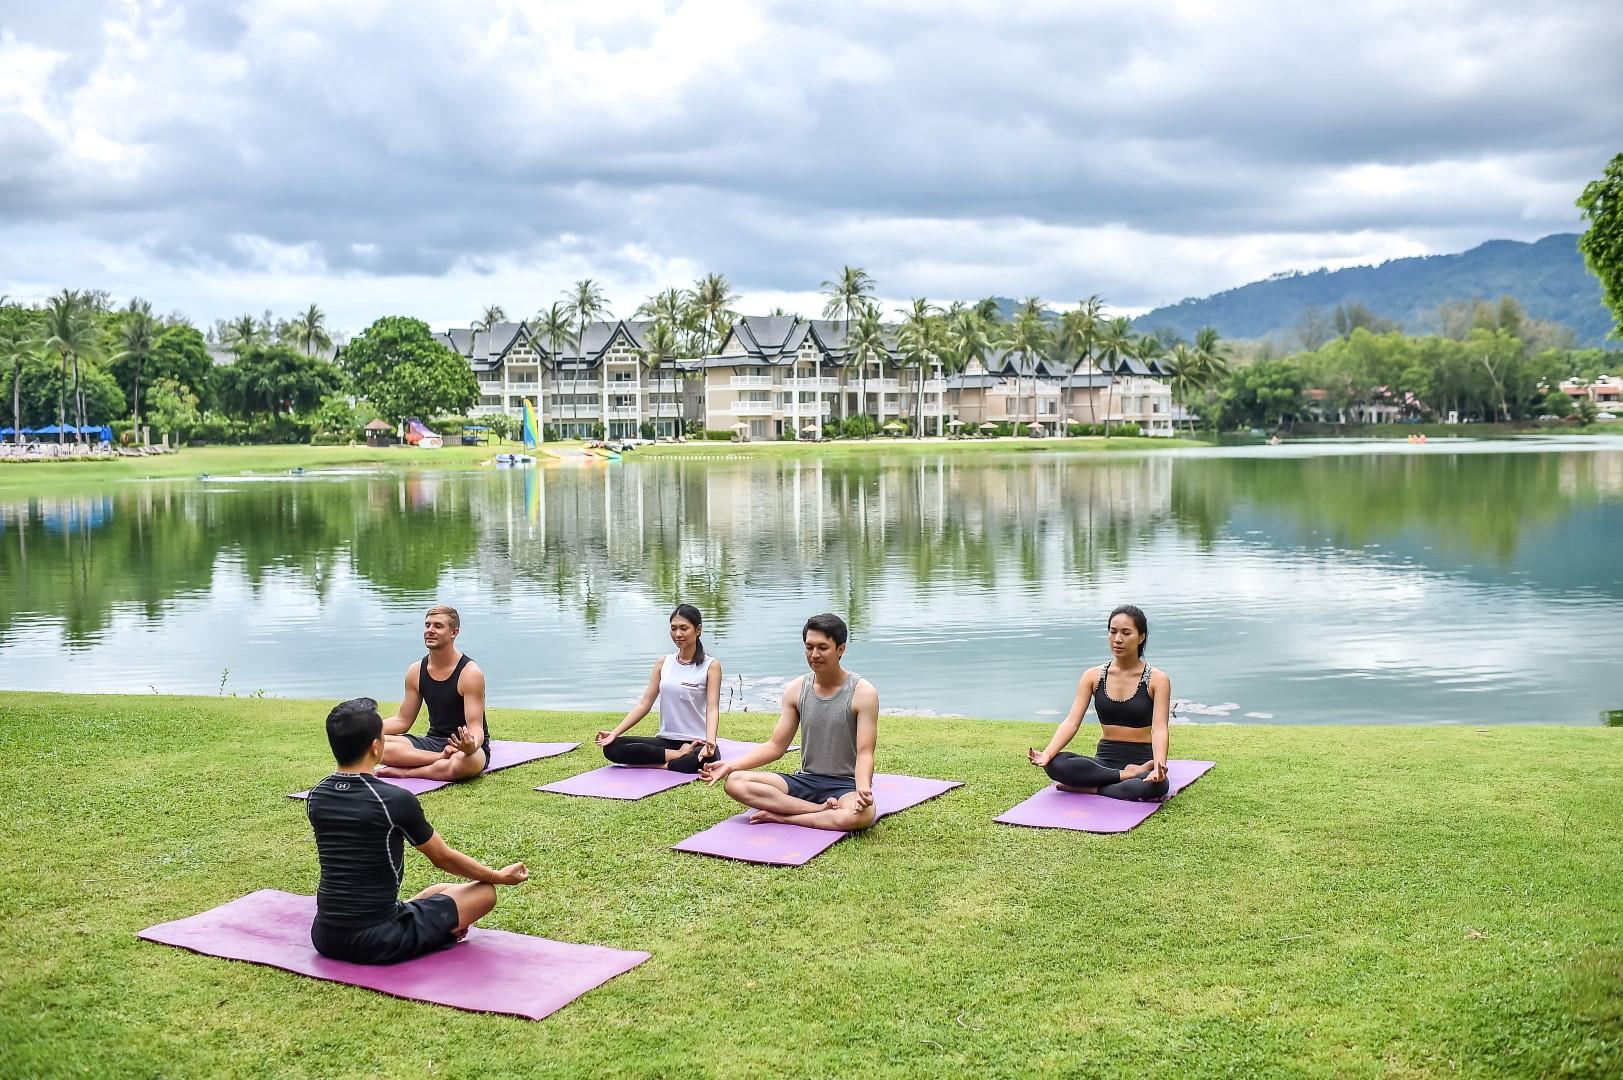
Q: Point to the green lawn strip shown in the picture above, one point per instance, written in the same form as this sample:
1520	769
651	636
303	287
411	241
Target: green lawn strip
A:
1329	901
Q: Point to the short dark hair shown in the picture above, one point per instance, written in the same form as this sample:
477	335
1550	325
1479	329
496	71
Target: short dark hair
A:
828	624
1143	624
352	726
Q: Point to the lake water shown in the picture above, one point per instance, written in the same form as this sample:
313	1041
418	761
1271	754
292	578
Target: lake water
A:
1470	583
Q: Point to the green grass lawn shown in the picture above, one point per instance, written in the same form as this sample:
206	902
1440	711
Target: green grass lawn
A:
1328	901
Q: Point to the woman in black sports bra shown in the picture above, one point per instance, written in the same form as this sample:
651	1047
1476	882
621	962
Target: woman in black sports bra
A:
1133	702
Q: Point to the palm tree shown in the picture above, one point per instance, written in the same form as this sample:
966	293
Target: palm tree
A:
309	330
70	330
863	343
848	297
1078	336
554	325
917	341
968	339
15	348
584	303
666	306
1028	335
713	298
493	314
137	336
1115	349
660	347
242	333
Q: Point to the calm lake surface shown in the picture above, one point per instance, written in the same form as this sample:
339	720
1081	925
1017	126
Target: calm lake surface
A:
1470	583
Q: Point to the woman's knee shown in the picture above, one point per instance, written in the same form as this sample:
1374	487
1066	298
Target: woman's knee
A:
616	752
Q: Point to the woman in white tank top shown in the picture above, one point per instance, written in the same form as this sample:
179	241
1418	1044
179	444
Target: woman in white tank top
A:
687	685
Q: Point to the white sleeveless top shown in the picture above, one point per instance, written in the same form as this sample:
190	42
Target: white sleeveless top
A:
682	698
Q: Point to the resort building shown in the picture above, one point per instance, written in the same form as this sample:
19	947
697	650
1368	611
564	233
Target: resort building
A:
605	386
776	375
785	377
1606	392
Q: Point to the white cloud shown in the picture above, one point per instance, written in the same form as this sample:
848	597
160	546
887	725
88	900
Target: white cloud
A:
437	156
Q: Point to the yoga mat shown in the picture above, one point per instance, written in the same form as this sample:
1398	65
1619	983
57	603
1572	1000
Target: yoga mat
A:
491	971
1052	808
504	754
626	782
794	845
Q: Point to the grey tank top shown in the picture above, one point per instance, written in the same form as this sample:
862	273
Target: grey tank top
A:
828	728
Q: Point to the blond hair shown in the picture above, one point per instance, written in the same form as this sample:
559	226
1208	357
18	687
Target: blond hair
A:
449	612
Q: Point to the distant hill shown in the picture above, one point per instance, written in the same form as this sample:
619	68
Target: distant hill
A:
1548	277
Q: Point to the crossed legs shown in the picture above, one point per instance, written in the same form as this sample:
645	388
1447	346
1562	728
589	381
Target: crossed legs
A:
474	900
401	758
656	753
768	794
1075	772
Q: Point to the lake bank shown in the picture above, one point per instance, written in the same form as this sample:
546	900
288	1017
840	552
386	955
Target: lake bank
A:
231	460
1328	901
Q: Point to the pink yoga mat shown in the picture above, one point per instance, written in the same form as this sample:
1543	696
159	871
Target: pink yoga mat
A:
491	971
1052	808
624	782
793	845
504	754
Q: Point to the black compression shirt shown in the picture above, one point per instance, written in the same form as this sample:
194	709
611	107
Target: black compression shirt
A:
444	701
360	823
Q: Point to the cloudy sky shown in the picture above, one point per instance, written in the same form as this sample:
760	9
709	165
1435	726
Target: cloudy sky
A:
431	157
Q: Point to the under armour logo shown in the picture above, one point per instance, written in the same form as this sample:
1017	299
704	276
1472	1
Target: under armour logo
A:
343	786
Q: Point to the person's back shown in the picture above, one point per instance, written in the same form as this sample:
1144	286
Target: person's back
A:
361	826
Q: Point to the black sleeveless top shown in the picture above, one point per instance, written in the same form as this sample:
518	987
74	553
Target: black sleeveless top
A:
444	702
1136	711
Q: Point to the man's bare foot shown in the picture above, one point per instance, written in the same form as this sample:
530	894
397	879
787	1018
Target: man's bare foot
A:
765	817
389	770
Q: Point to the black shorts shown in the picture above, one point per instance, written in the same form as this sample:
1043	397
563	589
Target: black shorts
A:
415	928
816	787
436	745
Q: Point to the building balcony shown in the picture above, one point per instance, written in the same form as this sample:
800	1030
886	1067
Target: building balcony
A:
750	382
817	385
624	412
753	408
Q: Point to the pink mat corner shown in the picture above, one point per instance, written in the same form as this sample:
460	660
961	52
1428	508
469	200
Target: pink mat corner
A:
623	782
795	845
492	971
504	754
1052	808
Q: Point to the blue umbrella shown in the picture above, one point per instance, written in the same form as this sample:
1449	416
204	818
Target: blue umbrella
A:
6	433
53	429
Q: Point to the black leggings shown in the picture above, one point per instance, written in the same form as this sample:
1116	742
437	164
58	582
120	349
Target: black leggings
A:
644	750
1103	771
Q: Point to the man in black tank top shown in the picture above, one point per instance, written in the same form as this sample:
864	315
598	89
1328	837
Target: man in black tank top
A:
457	745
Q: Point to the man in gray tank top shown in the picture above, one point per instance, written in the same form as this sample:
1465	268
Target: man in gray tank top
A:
837	713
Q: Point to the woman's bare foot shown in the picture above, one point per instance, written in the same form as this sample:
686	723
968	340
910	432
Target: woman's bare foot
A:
1078	790
389	770
1133	772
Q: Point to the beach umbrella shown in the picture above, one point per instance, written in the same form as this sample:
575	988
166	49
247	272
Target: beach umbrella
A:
52	429
989	426
955	423
742	425
895	425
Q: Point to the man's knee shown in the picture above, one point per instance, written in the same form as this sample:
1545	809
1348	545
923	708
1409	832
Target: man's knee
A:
738	783
464	766
851	819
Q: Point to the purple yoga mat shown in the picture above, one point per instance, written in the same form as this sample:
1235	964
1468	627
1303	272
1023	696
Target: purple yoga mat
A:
793	845
491	971
1052	808
623	782
504	754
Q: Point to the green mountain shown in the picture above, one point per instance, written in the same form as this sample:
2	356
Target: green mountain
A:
1548	277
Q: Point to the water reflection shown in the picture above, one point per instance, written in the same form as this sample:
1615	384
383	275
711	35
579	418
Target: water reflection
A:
1294	588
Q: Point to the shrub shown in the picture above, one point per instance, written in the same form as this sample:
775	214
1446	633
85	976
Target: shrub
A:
712	435
327	438
646	430
1129	430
